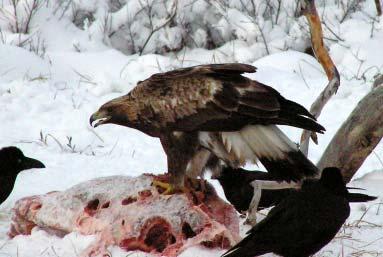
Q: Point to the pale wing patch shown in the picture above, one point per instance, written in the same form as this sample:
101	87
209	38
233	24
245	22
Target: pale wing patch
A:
213	142
267	141
249	144
257	141
236	145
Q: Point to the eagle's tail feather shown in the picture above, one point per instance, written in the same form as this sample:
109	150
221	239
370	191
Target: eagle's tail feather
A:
294	114
259	104
292	168
294	107
300	122
268	144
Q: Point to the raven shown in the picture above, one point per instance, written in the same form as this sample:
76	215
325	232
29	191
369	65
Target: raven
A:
302	223
12	161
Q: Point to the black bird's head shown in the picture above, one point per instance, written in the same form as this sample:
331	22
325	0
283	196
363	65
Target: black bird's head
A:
332	179
12	161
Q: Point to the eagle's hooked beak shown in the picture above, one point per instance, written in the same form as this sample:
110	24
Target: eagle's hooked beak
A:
101	117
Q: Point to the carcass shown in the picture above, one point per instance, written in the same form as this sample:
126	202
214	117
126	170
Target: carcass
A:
131	213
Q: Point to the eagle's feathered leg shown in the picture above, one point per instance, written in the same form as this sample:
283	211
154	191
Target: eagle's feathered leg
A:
197	164
258	185
180	149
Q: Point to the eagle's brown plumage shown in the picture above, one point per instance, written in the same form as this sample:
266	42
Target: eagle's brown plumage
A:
210	110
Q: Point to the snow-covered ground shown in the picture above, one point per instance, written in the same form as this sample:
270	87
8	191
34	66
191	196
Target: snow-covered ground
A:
50	86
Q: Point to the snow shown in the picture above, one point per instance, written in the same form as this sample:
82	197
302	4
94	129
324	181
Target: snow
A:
62	73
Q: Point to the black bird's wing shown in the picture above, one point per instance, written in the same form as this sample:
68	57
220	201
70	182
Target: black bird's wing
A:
265	236
239	192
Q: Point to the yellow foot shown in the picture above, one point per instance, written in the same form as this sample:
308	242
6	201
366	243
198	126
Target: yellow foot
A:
168	188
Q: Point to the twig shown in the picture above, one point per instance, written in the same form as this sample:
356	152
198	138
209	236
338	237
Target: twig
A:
350	6
14	4
332	32
97	135
155	29
57	141
31	11
378	7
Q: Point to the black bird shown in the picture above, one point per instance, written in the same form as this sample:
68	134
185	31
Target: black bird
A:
12	161
239	192
302	223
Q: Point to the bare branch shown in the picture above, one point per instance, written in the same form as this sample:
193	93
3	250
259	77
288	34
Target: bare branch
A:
378	81
321	53
378	7
332	32
278	11
16	26
253	16
357	137
316	109
30	10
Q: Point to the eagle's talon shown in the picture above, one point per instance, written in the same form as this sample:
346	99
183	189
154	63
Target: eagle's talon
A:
168	187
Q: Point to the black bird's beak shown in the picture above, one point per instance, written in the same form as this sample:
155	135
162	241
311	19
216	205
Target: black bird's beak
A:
101	117
29	163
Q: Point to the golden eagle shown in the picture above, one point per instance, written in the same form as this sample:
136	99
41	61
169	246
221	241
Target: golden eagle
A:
212	111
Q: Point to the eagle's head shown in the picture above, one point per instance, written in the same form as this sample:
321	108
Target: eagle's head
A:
117	111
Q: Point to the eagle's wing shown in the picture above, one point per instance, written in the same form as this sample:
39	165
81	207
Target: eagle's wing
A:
215	97
226	68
